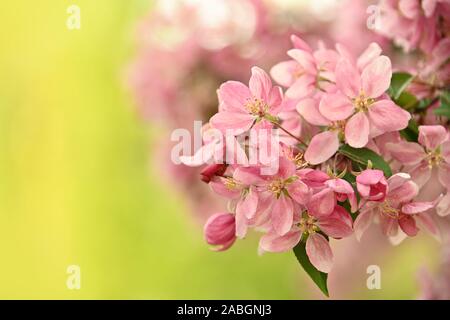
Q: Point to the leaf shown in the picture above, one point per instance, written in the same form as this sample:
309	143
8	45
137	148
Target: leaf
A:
363	155
406	101
444	109
319	278
399	82
411	132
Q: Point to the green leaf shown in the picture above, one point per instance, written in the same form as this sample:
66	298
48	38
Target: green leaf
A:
406	100
411	132
444	108
362	156
319	278
399	82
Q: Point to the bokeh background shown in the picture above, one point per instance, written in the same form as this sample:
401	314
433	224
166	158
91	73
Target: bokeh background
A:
79	184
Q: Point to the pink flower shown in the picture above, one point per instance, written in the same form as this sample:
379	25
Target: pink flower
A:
432	152
337	224
219	231
359	110
372	185
307	71
397	210
241	107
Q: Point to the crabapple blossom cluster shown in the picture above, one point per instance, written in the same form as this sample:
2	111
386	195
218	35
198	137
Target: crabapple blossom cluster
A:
346	159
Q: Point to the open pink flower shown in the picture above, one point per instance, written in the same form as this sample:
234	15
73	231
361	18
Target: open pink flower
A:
242	106
219	231
397	210
307	71
372	185
337	224
361	102
432	152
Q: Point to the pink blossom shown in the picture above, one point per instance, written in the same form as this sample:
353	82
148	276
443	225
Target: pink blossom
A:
241	107
372	185
397	210
307	71
337	224
432	152
219	231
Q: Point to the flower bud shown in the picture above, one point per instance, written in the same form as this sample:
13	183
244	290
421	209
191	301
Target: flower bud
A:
372	185
220	231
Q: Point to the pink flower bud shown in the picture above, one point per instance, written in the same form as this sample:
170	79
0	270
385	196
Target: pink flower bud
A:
220	231
372	185
212	170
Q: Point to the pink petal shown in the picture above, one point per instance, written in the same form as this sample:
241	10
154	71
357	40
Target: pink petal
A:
409	153
340	186
236	121
233	95
387	116
445	150
408	225
322	203
241	225
217	184
319	252
428	7
247	206
397	180
302	87
272	242
421	174
336	106
417	207
427	221
404	193
300	44
376	77
370	177
362	223
299	191
260	84
443	207
348	79
432	136
322	147
282	215
304	58
309	110
335	228
283	72
248	175
372	52
357	130
275	100
444	175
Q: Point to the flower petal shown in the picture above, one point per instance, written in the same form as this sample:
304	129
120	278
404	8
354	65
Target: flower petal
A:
282	215
387	116
432	136
362	223
247	205
309	110
299	191
357	130
408	225
283	72
322	203
348	79
272	242
260	84
336	106
409	153
302	87
233	95
319	252
376	77
238	122
443	207
417	207
322	147
372	52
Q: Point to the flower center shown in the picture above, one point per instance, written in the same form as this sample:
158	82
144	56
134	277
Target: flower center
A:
388	210
276	186
361	103
434	158
257	107
230	183
308	225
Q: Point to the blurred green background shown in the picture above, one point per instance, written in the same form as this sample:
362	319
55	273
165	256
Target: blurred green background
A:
77	186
